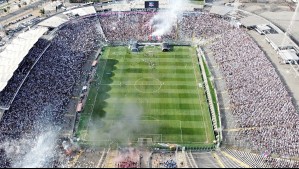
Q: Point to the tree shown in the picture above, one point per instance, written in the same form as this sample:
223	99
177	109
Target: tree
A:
19	5
42	11
7	9
6	32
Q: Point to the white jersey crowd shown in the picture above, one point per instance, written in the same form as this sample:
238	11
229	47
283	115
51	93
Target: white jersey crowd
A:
259	100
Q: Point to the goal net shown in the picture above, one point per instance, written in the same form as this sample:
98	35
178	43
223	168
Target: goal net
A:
145	141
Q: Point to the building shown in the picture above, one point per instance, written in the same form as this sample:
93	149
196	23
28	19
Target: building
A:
280	41
221	11
263	29
252	21
289	56
284	46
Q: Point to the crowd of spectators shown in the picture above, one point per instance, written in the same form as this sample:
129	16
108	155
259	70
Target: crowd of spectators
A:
163	160
127	158
42	101
127	163
200	26
4	161
124	26
170	164
7	94
258	98
281	163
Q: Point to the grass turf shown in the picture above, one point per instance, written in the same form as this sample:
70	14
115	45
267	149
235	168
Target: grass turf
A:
150	94
198	2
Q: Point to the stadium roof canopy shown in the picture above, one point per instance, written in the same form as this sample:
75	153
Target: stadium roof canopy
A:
263	27
252	20
280	41
289	55
14	53
82	11
220	10
53	22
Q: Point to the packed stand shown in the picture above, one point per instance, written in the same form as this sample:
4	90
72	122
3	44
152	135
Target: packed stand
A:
281	163
258	98
200	26
42	101
9	91
163	160
125	26
127	158
127	163
170	164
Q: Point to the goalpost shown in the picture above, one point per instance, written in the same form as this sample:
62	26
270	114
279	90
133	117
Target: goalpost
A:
145	141
148	139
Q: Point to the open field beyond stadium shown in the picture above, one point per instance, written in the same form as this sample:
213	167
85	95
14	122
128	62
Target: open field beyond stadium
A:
150	94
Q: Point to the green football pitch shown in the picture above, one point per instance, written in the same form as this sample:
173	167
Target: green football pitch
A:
149	94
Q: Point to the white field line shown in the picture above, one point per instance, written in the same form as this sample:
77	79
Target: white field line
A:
200	100
95	97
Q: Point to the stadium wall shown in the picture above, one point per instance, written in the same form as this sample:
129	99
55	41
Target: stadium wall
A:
214	110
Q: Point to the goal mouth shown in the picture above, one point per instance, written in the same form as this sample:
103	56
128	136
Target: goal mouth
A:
145	141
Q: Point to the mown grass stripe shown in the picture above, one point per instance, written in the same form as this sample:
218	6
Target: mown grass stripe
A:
177	101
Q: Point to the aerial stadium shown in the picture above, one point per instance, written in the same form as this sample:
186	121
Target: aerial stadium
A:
149	84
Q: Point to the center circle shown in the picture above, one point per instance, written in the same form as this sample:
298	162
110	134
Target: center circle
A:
148	85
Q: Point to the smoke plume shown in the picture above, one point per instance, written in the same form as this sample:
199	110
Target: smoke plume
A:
42	152
34	151
36	148
163	22
119	129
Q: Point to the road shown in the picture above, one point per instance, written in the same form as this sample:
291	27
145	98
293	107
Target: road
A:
21	10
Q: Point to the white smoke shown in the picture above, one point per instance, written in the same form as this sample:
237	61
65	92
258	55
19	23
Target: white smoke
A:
33	151
163	21
126	124
41	153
